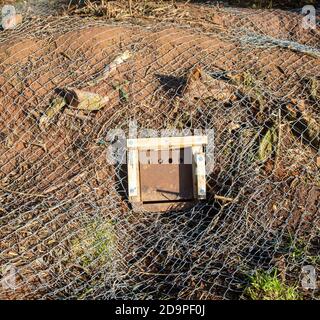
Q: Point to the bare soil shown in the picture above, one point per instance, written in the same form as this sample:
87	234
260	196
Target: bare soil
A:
48	178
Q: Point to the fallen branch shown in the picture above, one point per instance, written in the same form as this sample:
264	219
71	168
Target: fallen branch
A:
110	68
268	42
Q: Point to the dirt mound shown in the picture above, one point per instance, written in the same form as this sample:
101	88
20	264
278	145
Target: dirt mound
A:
64	206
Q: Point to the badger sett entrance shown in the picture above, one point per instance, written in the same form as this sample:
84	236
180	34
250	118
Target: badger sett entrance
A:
167	173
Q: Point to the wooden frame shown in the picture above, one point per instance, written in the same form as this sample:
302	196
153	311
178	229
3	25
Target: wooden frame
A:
196	143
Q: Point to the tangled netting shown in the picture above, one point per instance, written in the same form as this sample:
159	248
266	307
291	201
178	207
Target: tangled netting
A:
67	229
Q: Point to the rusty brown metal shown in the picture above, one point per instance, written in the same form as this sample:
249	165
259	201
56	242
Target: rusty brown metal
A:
166	177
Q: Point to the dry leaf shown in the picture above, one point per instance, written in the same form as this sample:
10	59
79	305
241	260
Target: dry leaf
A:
56	105
266	145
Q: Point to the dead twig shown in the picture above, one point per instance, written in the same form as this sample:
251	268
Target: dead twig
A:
65	55
70	113
276	162
222	198
23	193
40	145
77	177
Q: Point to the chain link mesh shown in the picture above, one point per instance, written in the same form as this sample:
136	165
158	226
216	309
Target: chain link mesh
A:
66	225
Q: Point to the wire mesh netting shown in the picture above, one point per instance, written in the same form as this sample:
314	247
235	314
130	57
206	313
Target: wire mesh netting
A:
66	226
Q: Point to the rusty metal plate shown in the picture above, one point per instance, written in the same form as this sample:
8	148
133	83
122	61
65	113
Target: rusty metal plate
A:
166	176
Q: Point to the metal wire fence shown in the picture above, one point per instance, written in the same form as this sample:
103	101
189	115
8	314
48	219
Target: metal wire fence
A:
67	229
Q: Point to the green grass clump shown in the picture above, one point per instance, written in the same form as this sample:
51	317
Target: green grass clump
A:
95	244
267	286
299	251
248	79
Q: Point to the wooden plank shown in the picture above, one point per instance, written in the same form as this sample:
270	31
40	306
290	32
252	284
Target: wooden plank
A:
159	207
201	174
167	142
195	150
133	175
